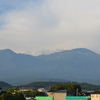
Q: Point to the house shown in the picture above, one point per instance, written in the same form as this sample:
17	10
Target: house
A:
42	90
27	88
60	94
95	95
29	98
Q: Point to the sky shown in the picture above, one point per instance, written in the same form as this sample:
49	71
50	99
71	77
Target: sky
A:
31	26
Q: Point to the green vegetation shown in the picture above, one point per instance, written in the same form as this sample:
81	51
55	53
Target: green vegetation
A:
5	85
33	93
15	94
12	94
69	87
84	86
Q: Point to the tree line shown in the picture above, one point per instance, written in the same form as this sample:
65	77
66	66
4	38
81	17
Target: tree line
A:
84	86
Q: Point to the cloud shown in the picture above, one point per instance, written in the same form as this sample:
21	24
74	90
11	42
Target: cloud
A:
50	24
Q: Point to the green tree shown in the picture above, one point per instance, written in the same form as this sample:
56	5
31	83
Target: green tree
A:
69	87
33	93
9	96
12	94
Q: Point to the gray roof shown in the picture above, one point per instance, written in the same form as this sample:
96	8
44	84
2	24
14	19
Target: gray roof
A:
33	88
61	91
96	92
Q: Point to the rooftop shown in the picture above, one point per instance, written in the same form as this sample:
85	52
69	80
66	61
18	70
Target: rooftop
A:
61	91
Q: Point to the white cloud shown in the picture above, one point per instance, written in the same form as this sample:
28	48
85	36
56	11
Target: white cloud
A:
50	24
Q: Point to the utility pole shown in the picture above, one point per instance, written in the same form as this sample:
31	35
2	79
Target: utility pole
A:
77	92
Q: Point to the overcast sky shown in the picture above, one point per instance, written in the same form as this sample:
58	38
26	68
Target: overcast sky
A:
35	25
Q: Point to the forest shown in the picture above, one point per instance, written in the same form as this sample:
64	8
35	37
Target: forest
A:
84	86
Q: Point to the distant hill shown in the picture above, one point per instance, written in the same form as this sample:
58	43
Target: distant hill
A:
5	85
80	65
48	84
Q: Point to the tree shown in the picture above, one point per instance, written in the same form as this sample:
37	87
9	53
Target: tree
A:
69	87
12	94
33	93
9	96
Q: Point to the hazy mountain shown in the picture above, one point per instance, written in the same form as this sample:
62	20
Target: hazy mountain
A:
5	85
48	84
78	65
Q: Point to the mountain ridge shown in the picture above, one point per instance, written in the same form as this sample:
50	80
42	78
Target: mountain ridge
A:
5	85
80	63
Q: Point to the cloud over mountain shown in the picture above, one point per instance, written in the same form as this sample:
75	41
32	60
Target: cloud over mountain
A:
41	24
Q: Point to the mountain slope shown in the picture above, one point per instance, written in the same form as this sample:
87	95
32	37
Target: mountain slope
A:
5	85
46	84
77	63
73	64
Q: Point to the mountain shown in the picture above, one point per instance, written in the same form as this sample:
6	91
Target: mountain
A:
5	85
80	65
48	84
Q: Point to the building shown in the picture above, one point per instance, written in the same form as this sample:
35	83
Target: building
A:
42	90
95	95
27	88
60	94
